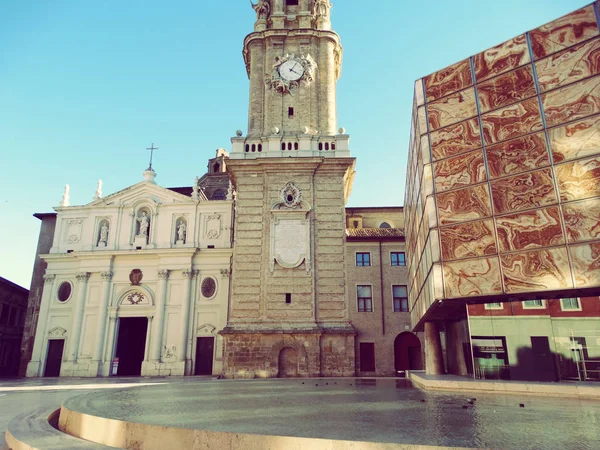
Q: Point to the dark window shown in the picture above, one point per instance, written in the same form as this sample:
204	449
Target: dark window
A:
259	148
291	112
367	357
283	146
288	298
326	145
295	146
289	145
219	194
385	225
291	2
333	146
363	259
355	223
4	315
253	147
247	148
64	291
365	298
400	294
216	167
398	258
320	146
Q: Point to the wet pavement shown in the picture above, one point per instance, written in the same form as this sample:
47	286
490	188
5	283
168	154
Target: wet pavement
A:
382	410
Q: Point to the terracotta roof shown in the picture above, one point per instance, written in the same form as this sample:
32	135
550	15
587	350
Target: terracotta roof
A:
379	233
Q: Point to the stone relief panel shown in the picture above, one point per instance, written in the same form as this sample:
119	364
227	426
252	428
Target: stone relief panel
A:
57	333
206	330
73	231
213	226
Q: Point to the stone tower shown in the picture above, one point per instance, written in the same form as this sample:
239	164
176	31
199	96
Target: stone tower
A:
293	174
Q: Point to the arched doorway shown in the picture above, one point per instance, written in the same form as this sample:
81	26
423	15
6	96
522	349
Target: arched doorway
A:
407	352
288	363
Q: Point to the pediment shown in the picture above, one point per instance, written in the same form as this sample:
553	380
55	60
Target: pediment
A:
139	193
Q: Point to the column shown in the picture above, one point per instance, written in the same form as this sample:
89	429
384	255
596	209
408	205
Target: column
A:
148	336
110	341
455	353
74	334
161	300
40	332
102	314
434	358
185	315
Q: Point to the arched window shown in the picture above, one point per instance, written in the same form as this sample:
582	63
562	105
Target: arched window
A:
247	148
216	167
289	145
295	146
320	146
219	194
385	225
326	145
283	146
253	148
333	146
259	148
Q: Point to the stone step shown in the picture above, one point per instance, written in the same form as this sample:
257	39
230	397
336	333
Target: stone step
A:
33	431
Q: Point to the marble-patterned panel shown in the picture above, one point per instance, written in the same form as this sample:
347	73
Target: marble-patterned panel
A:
539	270
422	120
468	239
419	93
579	179
464	204
456	139
519	155
472	278
506	89
573	102
582	220
452	109
512	121
569	30
501	58
586	264
529	230
575	140
460	171
568	66
446	81
528	190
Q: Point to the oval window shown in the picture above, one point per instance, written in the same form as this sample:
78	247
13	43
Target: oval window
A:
209	287
64	291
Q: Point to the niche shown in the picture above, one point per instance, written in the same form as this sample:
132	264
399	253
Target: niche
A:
103	231
181	227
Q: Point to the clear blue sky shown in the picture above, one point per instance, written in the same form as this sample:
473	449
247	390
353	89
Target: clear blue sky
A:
85	86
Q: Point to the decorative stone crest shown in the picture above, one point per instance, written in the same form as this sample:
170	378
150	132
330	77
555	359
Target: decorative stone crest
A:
290	197
49	278
213	226
136	276
225	273
205	329
74	231
106	276
289	71
57	332
208	287
163	274
135	298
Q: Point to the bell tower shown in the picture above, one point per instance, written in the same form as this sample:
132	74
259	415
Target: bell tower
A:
293	60
292	173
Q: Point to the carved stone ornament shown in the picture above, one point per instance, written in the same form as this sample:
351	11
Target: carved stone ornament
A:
213	226
135	276
82	276
205	329
135	298
290	197
208	287
289	71
106	276
262	8
57	332
74	231
163	274
49	278
225	273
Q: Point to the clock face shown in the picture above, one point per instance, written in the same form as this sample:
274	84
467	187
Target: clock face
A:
291	70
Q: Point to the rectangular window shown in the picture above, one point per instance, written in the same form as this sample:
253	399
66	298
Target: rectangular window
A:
365	299
570	304
400	294
493	306
4	315
288	298
363	259
367	357
534	304
398	258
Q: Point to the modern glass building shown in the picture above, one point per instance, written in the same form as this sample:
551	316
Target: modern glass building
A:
503	203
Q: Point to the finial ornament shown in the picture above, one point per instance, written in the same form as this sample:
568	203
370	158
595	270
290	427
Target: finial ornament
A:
262	8
98	194
66	198
230	191
195	195
151	149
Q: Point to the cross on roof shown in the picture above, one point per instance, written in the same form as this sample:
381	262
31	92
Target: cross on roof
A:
151	154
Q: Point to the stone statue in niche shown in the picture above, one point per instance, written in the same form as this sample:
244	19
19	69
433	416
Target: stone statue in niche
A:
321	8
103	240
144	224
262	8
181	232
